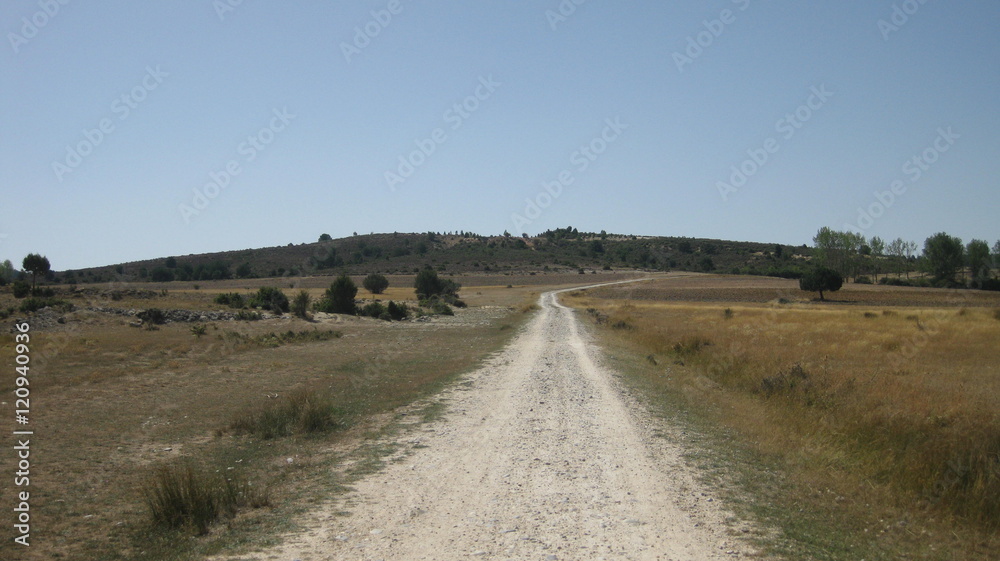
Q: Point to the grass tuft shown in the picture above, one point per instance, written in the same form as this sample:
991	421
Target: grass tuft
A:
180	498
302	412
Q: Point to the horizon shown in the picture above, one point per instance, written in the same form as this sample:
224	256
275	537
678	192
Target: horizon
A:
271	124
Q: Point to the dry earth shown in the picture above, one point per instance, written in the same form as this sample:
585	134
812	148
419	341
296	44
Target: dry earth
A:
540	456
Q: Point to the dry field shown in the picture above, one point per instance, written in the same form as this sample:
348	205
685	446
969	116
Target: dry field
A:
877	415
111	404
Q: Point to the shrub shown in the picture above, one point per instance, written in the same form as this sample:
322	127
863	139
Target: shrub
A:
34	304
179	497
231	299
21	288
375	283
247	315
397	311
428	284
152	316
300	305
339	298
198	330
439	307
863	280
374	310
270	298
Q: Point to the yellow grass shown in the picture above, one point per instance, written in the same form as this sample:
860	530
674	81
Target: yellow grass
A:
893	407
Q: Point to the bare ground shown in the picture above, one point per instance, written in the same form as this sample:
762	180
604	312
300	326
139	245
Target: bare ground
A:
540	456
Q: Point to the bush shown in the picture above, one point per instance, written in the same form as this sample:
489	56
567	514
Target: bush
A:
247	315
439	307
863	280
397	311
231	299
375	283
428	284
152	316
34	304
21	288
270	298
339	298
180	497
374	310
300	305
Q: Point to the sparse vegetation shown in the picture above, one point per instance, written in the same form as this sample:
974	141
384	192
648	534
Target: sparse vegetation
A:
302	412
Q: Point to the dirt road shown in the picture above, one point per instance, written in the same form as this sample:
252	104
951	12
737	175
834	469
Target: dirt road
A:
540	456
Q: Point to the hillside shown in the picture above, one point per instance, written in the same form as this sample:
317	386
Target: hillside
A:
564	249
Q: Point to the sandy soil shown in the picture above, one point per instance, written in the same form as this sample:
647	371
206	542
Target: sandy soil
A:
540	456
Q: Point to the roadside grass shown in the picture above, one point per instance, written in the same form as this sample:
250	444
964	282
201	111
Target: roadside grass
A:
119	406
859	433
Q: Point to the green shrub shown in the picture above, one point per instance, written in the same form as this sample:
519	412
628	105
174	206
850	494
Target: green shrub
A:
247	315
339	298
34	304
375	283
231	299
374	310
270	298
441	308
300	305
428	284
21	288
152	316
397	311
198	330
863	280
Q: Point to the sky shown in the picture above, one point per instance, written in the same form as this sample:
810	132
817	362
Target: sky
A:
133	131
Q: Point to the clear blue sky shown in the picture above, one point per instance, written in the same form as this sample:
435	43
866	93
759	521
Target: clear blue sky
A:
198	81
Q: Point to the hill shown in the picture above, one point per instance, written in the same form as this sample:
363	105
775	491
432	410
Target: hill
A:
560	250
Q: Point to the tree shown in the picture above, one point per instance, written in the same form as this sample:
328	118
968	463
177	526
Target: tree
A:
244	271
820	279
7	272
300	305
996	256
326	237
978	257
375	283
877	246
36	265
428	284
945	256
339	297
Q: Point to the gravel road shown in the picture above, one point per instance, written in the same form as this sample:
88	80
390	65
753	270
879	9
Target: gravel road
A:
540	456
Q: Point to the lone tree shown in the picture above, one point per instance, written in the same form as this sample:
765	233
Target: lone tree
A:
36	265
945	256
376	283
820	279
326	237
340	296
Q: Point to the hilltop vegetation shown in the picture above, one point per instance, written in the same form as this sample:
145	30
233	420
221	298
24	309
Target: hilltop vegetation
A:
559	250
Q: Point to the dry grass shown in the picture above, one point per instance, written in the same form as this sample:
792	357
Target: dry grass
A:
895	412
117	405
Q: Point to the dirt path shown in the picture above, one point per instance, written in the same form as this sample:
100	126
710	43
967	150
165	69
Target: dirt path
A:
541	457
